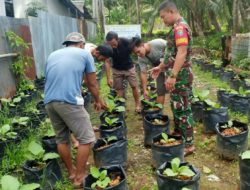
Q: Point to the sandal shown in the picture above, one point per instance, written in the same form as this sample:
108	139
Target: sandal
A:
189	150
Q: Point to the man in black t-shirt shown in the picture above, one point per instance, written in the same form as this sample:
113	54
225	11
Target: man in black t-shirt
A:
122	67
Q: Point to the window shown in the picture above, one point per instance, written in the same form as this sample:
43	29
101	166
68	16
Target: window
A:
9	8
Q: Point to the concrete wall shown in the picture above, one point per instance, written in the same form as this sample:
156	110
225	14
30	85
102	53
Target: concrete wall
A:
52	6
2	8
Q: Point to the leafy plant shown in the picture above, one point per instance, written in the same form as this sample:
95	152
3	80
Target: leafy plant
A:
102	179
110	122
242	92
33	7
212	104
245	155
22	61
36	152
6	133
23	121
112	107
229	124
177	170
165	139
109	139
11	183
152	104
201	96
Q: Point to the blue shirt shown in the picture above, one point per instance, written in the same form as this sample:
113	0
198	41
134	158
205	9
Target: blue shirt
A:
64	73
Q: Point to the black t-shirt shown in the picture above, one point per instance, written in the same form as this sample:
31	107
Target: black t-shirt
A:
121	55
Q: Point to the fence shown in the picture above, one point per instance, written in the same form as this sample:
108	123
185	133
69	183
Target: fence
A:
46	32
241	46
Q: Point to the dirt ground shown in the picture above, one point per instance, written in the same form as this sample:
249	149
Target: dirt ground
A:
142	176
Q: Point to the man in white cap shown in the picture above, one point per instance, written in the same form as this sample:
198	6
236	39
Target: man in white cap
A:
64	72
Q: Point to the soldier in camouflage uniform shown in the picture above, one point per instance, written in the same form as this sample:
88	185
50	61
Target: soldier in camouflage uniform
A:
177	62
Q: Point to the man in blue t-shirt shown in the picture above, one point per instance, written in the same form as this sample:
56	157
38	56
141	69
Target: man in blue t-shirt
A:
64	72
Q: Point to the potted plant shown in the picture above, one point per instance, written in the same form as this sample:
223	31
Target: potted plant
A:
151	107
41	167
9	182
153	125
197	104
49	141
212	114
239	101
7	136
165	147
223	96
207	67
152	96
175	175
112	127
20	126
227	75
110	151
244	163
113	111
232	139
106	178
236	82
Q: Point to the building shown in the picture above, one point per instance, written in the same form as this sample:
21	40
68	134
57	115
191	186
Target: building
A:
17	8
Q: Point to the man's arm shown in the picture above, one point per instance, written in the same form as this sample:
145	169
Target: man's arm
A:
144	81
92	85
107	69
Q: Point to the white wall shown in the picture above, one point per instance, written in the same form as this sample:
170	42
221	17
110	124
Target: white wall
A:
2	8
52	6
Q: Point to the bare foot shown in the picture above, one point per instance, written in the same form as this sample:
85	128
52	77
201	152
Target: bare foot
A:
72	174
189	150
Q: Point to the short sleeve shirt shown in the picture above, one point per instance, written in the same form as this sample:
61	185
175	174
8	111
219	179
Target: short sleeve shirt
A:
121	55
156	53
64	73
181	35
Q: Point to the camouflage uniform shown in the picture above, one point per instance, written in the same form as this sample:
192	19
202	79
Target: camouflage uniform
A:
181	95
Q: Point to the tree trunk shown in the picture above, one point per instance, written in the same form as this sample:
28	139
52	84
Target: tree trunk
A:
214	21
243	15
196	18
101	15
235	16
137	2
151	21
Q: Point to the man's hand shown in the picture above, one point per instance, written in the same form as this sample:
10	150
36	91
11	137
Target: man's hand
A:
99	105
110	83
154	72
170	83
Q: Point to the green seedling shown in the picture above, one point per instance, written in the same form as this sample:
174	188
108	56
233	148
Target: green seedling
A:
176	170
6	133
11	183
152	104
36	152
109	139
243	92
102	179
201	96
110	122
245	155
229	124
212	104
112	107
165	139
23	121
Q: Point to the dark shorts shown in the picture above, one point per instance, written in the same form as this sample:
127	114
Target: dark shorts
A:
65	118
